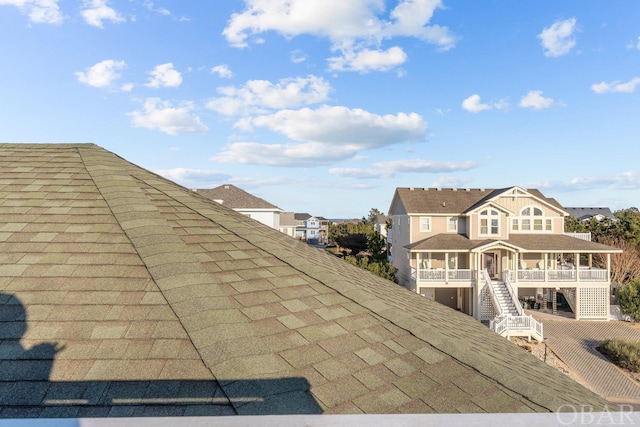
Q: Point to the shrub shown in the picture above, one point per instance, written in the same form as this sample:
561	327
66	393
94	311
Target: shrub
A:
629	299
623	353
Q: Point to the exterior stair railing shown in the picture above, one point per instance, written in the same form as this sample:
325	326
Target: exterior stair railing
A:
507	324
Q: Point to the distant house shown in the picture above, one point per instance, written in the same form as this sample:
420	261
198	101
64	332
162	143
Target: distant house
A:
311	228
585	214
462	246
245	203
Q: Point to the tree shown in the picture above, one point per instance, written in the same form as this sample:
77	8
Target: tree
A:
622	232
382	269
629	299
372	218
377	247
356	242
625	266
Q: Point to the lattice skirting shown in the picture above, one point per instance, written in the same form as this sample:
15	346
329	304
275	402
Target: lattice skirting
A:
593	302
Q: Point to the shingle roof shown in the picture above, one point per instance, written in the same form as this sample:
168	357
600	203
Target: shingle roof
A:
436	201
586	213
122	293
236	198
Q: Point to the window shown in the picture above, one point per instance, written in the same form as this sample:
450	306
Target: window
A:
425	224
452	224
532	219
489	222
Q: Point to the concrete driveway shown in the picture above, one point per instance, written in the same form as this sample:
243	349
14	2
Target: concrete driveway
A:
574	342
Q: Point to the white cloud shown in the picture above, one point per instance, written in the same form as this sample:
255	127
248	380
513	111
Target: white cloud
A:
39	11
300	155
298	56
335	126
193	177
366	60
557	39
102	74
262	95
451	182
616	86
473	104
223	71
161	115
164	75
351	26
326	135
161	10
393	168
535	100
97	11
629	180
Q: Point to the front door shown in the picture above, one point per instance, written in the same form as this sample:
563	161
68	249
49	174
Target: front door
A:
490	263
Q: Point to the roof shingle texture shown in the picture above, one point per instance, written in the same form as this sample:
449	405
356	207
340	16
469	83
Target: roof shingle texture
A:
124	294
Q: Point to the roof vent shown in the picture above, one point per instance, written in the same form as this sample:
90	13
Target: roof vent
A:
454	189
411	189
226	187
439	189
444	204
467	189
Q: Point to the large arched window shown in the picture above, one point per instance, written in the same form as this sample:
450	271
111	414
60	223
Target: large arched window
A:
532	219
489	222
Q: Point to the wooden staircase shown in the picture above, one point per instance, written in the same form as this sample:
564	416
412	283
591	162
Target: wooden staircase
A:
511	320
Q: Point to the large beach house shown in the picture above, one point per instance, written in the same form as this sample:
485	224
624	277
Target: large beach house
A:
484	251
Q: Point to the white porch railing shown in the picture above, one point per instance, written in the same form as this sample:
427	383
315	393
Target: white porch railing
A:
497	307
585	274
515	299
442	275
517	326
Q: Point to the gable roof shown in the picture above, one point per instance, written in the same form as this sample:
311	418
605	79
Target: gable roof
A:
122	293
236	198
453	200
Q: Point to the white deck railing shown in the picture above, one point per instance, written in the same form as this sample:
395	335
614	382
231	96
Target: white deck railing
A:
494	298
517	325
442	275
586	275
531	275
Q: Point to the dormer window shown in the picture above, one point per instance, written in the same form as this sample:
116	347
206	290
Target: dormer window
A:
489	222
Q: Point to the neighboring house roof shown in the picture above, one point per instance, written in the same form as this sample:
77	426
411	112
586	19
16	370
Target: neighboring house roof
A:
236	198
302	216
452	201
125	294
587	213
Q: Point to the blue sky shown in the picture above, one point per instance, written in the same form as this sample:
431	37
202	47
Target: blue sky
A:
326	106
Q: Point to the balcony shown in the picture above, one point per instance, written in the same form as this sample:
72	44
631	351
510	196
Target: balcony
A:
442	275
585	274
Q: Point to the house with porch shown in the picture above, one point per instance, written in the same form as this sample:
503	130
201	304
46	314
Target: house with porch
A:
486	251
